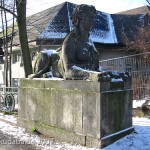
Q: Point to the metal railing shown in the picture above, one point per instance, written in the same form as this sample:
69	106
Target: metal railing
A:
8	98
139	67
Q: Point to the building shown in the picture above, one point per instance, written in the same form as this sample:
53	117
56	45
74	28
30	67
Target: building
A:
47	29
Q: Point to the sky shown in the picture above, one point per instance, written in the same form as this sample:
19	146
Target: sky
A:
108	6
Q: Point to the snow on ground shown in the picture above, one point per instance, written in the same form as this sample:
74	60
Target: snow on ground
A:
8	118
139	103
42	143
139	140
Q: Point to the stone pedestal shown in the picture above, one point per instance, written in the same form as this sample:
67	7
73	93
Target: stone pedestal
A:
92	114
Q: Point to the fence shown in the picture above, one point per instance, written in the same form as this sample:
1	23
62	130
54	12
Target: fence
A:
139	67
8	98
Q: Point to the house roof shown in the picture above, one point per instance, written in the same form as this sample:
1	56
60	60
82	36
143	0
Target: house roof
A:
49	27
61	25
128	23
38	22
54	24
135	11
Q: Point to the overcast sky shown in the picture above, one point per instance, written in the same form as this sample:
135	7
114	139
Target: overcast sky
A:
108	6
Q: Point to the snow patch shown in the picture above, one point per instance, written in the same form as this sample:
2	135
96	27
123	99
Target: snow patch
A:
49	52
117	80
85	49
47	34
69	19
102	36
9	118
138	140
138	103
42	143
51	78
142	16
79	68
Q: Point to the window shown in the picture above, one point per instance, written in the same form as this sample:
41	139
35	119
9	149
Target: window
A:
33	55
17	58
111	65
129	64
15	82
1	59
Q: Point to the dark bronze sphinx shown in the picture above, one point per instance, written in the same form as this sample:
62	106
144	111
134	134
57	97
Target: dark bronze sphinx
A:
77	59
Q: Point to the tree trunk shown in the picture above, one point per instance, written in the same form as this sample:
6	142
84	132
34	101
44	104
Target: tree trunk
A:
21	19
11	45
5	45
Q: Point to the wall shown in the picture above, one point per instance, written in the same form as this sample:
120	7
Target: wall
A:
109	54
1	73
17	63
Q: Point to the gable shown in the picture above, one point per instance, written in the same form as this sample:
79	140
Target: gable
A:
61	25
129	24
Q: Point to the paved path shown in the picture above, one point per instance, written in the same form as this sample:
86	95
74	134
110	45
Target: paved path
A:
6	143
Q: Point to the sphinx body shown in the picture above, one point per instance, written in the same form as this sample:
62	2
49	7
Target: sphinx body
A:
77	59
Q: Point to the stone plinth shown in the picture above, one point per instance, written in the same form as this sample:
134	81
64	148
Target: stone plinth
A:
92	114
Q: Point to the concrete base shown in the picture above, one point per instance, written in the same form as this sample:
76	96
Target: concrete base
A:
92	114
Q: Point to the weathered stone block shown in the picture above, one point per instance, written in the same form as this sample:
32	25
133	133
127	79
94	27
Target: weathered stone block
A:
94	114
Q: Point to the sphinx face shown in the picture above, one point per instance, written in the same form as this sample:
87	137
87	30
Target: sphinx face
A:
88	22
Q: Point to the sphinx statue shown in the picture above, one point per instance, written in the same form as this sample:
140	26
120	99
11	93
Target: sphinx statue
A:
77	59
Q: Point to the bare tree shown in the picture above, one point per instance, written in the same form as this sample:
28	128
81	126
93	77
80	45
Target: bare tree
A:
21	19
4	22
11	44
8	7
17	8
141	41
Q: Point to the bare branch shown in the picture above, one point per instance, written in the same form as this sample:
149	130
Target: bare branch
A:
148	1
8	10
141	40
